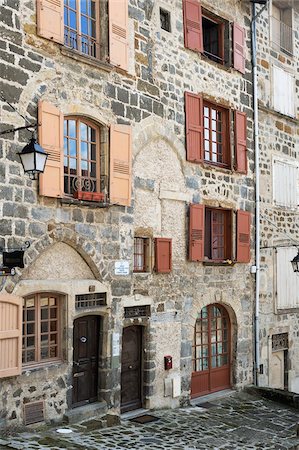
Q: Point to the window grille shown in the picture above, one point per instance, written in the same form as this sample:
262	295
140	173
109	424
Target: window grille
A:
91	300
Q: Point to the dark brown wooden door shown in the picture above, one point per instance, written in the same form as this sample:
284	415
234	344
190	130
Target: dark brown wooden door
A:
85	365
211	351
131	369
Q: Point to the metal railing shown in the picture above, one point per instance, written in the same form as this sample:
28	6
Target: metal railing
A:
81	42
86	188
282	35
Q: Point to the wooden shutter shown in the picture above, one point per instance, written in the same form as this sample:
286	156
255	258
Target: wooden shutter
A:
243	236
50	19
196	232
10	335
163	255
240	142
120	164
194	126
51	139
193	25
239	48
118	33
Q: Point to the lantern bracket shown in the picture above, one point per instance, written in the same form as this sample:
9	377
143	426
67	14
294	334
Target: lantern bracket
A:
12	257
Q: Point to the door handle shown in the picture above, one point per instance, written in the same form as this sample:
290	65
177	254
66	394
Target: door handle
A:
130	367
83	339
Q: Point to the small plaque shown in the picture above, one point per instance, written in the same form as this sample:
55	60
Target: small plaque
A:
115	344
280	341
137	311
122	268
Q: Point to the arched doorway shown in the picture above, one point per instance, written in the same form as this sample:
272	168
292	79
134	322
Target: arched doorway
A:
211	351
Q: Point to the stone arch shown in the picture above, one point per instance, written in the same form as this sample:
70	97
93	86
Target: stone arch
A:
84	247
150	130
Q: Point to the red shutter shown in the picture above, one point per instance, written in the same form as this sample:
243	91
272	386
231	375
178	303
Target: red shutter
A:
243	236
193	25
239	48
120	164
163	255
194	126
118	33
196	232
51	139
10	335
240	141
50	19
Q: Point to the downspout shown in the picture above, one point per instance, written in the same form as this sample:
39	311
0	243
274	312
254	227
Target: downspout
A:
257	200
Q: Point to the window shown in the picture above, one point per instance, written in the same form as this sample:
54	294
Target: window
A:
81	26
87	26
216	134
81	158
141	254
211	232
214	41
41	328
211	35
86	160
165	20
287	281
283	91
282	31
285	183
218	239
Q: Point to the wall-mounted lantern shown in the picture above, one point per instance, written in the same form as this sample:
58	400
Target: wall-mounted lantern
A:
295	263
33	158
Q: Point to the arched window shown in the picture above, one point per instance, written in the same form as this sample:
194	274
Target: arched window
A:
41	328
81	157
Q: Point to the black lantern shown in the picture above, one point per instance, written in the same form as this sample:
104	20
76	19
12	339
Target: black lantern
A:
295	263
33	158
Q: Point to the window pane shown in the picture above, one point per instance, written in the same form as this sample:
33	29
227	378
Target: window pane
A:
83	131
44	313
73	20
83	7
44	327
84	150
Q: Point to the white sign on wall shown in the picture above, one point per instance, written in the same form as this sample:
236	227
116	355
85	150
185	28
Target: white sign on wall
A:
115	344
122	268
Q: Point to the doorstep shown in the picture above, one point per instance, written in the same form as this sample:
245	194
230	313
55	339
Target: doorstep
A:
85	412
210	397
132	414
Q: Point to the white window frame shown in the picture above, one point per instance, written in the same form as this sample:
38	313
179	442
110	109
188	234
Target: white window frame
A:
279	91
291	204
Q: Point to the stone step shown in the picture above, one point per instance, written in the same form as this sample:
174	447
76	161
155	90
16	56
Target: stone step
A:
97	410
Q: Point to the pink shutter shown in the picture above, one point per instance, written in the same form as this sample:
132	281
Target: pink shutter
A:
193	25
10	335
196	232
240	142
51	139
118	33
239	48
163	255
120	164
194	126
243	236
50	19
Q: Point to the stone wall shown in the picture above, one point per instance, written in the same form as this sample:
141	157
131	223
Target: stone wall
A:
150	98
279	225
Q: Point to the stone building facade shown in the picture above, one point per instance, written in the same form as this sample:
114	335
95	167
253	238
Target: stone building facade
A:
159	269
278	123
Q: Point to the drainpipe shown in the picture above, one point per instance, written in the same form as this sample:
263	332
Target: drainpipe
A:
257	193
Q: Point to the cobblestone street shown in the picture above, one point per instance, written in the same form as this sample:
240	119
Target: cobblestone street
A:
240	421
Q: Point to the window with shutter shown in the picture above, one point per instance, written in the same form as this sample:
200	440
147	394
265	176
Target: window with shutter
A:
240	142
142	254
196	232
285	182
163	255
282	28
194	127
287	281
41	328
243	236
76	23
283	89
10	335
193	25
218	234
239	48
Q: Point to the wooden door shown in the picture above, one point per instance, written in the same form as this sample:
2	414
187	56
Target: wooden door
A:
131	369
211	351
86	356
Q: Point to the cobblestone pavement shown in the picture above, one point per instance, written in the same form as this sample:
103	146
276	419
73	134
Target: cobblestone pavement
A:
238	422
